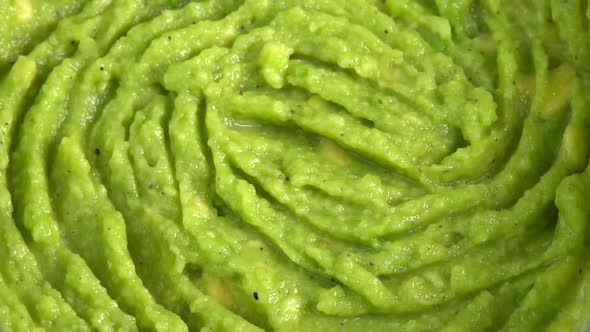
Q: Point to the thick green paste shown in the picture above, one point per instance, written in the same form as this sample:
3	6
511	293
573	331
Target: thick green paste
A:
289	165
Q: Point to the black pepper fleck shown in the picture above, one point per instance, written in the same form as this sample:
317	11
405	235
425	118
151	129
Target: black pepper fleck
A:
255	294
97	151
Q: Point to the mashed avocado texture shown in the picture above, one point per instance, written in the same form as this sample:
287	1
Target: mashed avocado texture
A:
294	165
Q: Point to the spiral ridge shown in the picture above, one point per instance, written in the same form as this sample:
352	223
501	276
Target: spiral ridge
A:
296	166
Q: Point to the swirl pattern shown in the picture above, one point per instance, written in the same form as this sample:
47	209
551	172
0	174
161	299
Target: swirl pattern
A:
297	166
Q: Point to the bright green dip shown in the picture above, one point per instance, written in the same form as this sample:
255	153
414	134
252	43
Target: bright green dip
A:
294	165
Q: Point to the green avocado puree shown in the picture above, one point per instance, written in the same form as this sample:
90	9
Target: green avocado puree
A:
294	165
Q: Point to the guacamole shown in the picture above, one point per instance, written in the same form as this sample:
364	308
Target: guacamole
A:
294	165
